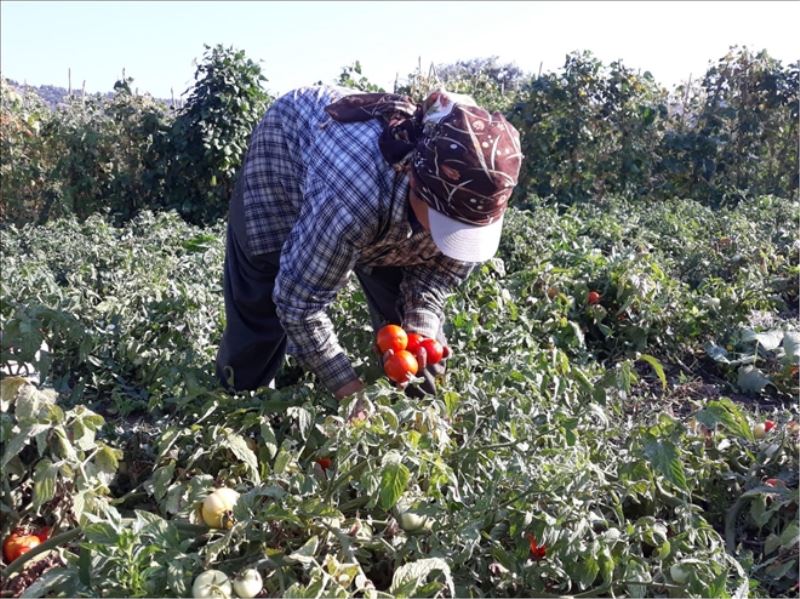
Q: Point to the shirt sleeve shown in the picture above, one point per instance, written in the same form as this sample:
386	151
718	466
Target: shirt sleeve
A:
424	290
316	260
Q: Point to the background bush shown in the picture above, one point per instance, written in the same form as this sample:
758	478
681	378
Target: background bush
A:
587	130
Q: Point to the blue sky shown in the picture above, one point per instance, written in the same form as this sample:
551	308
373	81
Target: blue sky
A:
300	43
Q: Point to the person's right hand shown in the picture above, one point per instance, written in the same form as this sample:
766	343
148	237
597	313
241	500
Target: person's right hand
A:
349	389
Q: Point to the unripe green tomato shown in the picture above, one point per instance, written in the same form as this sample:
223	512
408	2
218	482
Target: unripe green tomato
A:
759	430
411	521
248	583
678	573
212	584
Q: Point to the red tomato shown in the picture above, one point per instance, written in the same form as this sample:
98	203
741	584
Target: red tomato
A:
325	463
433	349
768	425
774	482
414	340
392	337
401	366
537	551
17	544
43	533
593	297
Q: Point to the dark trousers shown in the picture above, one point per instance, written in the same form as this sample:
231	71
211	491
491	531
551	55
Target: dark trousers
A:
253	344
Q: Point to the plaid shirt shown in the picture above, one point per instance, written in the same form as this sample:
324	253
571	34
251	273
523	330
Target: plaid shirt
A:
321	193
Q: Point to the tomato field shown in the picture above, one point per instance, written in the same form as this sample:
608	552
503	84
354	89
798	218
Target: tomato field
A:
575	448
619	413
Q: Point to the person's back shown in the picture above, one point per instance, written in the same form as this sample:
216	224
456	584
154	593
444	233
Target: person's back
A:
297	136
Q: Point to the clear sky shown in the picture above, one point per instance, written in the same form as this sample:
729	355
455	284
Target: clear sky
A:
299	43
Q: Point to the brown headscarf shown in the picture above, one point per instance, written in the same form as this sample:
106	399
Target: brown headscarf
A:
465	160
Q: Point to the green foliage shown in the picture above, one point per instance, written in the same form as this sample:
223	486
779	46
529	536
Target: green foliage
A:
125	153
554	420
24	180
54	465
131	315
86	156
493	85
589	131
348	79
735	132
199	155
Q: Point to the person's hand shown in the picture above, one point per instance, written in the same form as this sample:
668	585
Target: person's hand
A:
427	372
349	389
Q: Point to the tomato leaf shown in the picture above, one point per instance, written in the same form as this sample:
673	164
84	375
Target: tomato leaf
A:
665	459
394	479
751	380
268	437
44	482
161	479
724	411
657	368
305	555
9	387
237	444
409	577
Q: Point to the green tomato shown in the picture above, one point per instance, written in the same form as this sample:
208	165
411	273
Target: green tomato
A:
411	521
248	583
678	573
212	584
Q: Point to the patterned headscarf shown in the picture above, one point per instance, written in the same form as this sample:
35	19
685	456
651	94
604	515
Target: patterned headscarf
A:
465	160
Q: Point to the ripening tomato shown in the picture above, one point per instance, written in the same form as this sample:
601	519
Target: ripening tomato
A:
433	350
217	507
16	544
392	337
768	425
401	366
593	297
414	339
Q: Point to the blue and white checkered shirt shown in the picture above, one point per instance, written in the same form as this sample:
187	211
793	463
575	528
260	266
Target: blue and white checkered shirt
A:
322	194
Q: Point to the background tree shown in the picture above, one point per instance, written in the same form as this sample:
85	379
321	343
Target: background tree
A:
201	152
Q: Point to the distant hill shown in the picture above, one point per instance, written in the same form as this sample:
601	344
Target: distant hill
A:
53	95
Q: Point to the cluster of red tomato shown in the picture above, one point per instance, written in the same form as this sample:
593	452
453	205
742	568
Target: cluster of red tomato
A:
402	362
20	541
